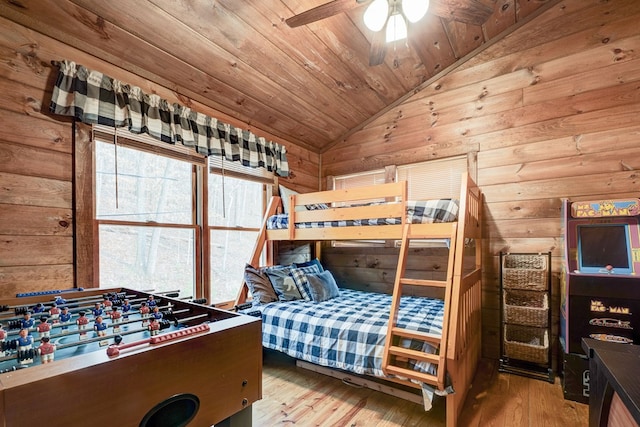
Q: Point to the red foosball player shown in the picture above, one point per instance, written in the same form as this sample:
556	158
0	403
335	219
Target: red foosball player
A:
46	350
3	337
54	312
82	321
107	304
154	326
44	327
144	312
100	327
115	314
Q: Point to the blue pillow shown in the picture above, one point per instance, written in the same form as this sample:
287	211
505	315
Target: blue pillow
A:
283	284
315	262
322	286
300	278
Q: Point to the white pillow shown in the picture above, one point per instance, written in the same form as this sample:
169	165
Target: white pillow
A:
285	194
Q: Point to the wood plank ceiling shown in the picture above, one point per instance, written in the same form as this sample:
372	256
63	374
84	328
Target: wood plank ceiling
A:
311	85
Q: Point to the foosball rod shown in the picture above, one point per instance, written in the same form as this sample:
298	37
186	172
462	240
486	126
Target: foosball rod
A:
93	298
114	350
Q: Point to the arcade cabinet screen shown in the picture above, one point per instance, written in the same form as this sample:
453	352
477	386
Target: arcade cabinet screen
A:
600	245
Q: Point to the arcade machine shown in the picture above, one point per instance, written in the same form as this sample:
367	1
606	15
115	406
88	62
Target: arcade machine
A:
600	283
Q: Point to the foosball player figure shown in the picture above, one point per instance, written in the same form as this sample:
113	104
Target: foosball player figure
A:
60	301
3	337
46	350
151	301
156	314
145	313
27	322
38	308
100	326
107	304
97	310
25	347
65	317
126	308
116	317
82	322
54	312
44	327
154	326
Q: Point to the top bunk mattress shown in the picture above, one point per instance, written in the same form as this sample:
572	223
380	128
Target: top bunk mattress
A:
418	212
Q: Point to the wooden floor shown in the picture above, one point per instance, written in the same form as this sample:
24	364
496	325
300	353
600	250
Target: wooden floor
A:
296	396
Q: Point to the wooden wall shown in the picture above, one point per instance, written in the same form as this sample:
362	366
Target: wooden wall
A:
36	152
550	112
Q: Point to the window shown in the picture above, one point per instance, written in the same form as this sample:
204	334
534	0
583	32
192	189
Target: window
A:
151	202
145	217
434	179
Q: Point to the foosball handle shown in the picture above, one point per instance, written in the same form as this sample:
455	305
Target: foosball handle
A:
114	349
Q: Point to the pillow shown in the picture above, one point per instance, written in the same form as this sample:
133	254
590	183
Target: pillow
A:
322	286
283	284
285	194
259	284
315	262
300	278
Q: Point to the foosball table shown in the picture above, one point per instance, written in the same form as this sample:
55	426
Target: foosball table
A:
130	358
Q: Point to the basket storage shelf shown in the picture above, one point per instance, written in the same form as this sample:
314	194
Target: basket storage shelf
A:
525	271
526	307
526	343
525	283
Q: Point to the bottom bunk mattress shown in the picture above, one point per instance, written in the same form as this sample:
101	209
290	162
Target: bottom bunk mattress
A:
349	332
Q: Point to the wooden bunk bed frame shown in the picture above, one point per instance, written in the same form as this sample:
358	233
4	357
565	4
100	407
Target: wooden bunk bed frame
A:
460	344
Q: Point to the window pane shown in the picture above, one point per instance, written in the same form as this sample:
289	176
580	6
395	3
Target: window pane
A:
235	202
435	179
150	187
230	251
147	258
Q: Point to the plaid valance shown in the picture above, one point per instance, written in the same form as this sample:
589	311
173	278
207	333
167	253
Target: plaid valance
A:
95	98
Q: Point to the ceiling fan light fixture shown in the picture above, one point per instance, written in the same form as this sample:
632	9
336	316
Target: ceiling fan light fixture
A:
376	15
414	10
396	28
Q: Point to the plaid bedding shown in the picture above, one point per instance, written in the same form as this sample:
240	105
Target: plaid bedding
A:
347	332
418	212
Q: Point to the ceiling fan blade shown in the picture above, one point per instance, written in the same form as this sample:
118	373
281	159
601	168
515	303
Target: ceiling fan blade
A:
321	12
475	12
378	48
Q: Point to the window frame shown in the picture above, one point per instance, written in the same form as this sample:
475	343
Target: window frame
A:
86	242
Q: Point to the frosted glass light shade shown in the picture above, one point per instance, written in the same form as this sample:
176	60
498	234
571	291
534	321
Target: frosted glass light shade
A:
414	10
376	15
396	28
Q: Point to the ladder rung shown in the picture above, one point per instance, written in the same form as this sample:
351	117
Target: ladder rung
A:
414	375
414	354
423	282
417	335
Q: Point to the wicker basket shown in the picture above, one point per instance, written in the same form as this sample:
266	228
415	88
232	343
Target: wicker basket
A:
525	272
526	308
526	343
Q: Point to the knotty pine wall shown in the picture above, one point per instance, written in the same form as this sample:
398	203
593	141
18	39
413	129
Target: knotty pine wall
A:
552	111
36	158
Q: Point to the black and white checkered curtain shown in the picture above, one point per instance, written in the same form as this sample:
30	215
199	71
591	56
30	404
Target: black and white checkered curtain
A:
95	98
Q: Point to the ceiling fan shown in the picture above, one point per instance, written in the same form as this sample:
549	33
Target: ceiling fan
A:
387	19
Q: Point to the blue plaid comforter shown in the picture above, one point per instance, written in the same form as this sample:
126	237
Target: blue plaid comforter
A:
418	212
347	332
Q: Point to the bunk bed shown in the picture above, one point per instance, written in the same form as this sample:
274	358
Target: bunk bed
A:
420	354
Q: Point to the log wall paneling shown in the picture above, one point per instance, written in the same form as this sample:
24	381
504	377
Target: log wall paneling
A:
551	112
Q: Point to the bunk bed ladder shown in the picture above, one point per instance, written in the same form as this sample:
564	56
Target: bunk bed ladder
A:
396	355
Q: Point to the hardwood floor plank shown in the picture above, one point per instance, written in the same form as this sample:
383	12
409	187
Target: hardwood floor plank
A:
300	397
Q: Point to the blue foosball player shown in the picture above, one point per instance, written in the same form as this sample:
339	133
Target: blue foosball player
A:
65	317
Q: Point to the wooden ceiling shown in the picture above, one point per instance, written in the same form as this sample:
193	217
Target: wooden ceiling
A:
311	85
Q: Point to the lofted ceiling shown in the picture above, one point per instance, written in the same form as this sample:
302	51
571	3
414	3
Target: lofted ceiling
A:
311	85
